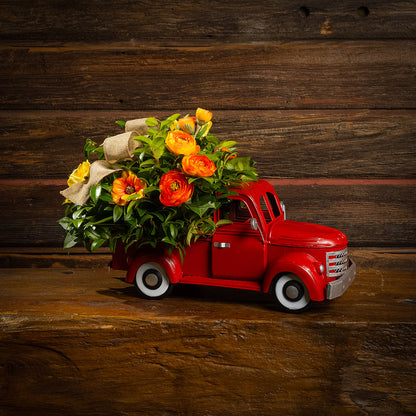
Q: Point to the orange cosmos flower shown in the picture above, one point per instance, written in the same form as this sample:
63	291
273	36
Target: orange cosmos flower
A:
198	165
181	143
175	189
203	116
125	186
187	124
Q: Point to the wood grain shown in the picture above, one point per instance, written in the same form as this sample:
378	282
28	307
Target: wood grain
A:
294	75
169	22
392	258
79	341
284	144
370	215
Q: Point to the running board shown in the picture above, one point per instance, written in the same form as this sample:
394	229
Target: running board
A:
235	284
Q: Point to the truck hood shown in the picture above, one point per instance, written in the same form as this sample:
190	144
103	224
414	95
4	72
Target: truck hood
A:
301	234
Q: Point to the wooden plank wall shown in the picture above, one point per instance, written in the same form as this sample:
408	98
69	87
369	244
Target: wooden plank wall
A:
320	93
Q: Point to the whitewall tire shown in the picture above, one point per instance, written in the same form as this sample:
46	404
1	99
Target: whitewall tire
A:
152	281
291	293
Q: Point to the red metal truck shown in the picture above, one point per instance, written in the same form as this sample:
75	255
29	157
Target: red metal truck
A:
261	250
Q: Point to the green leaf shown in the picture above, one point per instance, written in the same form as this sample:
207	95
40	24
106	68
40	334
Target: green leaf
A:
227	144
143	139
95	192
208	179
130	207
121	123
189	234
112	244
152	122
89	147
147	163
117	212
173	231
70	241
77	223
223	222
201	209
250	174
104	220
145	218
97	243
78	213
92	234
106	197
160	216
169	240
165	124
158	147
203	130
65	222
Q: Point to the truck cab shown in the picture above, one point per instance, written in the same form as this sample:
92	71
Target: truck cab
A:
260	251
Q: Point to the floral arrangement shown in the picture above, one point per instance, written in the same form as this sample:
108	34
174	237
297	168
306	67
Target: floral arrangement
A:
157	183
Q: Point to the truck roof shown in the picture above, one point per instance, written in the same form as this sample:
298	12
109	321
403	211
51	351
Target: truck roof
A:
254	189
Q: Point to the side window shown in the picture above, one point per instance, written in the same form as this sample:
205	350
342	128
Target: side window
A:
265	209
235	211
273	204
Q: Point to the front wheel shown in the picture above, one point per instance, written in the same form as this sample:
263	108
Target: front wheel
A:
152	281
291	293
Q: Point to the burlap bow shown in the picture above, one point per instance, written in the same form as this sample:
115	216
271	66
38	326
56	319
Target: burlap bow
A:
116	149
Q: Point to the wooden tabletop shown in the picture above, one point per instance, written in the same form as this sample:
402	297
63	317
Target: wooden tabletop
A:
79	341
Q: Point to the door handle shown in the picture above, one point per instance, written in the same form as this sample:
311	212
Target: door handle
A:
222	245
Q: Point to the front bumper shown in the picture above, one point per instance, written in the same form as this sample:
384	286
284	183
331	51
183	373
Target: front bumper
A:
338	287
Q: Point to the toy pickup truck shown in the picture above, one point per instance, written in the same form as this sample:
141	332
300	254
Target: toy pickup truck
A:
261	251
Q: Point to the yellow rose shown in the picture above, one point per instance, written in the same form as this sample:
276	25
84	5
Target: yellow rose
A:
80	174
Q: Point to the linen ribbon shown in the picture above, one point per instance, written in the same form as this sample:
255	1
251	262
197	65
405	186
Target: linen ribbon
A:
116	149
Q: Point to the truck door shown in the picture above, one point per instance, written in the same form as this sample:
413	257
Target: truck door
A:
238	251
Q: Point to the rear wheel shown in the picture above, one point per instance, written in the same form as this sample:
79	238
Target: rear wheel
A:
152	281
291	293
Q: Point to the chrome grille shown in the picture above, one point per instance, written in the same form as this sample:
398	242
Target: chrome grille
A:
336	263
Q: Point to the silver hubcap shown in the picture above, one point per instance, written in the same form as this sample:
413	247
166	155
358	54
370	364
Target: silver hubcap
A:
151	279
292	292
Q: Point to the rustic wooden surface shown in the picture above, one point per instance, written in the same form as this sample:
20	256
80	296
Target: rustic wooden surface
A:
321	94
169	22
285	144
79	341
329	74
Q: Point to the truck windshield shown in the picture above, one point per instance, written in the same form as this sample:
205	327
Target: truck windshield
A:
273	211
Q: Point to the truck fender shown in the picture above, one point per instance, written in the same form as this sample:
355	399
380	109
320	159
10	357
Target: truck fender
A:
304	266
169	262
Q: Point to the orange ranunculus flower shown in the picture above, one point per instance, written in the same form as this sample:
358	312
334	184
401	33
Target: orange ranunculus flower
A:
80	174
175	189
181	143
125	186
187	124
198	165
203	116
